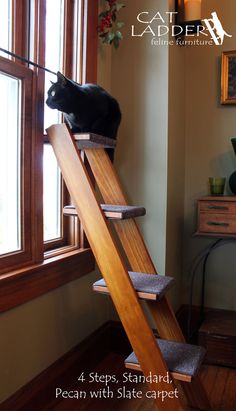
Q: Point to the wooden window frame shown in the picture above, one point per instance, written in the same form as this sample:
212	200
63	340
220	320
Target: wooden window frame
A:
26	78
38	275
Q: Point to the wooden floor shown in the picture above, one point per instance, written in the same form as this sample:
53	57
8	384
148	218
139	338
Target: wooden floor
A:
220	384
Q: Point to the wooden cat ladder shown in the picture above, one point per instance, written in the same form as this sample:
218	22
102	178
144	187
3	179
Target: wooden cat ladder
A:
127	288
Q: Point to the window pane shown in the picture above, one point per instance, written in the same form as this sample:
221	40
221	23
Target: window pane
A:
52	177
52	195
10	197
77	44
5	25
54	52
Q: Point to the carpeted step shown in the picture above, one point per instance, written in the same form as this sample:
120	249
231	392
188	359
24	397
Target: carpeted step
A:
117	212
183	360
147	286
89	140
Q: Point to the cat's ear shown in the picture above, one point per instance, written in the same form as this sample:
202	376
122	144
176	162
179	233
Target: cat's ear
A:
52	83
61	79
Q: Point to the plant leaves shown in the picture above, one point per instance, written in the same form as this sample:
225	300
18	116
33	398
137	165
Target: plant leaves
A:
120	24
119	35
102	14
110	36
119	6
102	35
116	42
106	38
113	8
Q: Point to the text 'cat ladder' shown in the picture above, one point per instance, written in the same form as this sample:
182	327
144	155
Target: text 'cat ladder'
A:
128	285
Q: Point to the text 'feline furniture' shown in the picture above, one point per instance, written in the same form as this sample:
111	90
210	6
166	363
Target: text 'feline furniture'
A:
129	281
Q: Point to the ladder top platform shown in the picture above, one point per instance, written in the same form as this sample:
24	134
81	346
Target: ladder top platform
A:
147	286
90	140
117	212
183	360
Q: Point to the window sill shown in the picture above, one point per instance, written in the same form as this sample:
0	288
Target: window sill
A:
58	252
20	286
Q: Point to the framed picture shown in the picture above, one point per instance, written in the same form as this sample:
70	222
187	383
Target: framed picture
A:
228	77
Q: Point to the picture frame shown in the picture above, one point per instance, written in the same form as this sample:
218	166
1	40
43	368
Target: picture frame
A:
228	77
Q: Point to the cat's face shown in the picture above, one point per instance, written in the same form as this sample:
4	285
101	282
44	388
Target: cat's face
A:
59	94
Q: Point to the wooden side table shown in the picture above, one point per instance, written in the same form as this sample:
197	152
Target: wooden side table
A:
217	216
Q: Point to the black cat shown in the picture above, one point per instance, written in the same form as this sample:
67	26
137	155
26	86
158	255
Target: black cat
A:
87	108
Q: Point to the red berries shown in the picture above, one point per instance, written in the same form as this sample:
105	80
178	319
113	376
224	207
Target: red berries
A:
105	23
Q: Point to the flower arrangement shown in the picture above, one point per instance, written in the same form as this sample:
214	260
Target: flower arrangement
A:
109	27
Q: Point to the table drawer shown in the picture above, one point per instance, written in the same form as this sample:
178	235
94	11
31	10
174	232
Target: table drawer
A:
217	223
219	207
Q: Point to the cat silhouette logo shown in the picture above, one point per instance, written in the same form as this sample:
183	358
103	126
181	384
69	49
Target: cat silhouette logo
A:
216	29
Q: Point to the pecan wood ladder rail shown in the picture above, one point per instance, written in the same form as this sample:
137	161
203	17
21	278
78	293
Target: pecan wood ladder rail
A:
127	285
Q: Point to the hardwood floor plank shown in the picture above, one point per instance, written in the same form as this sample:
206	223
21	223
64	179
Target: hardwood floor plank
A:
208	376
228	399
219	388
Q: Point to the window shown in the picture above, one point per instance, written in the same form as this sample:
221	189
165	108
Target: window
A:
10	153
36	241
56	49
15	163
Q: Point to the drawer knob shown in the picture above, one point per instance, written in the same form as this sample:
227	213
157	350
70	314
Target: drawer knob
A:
218	223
